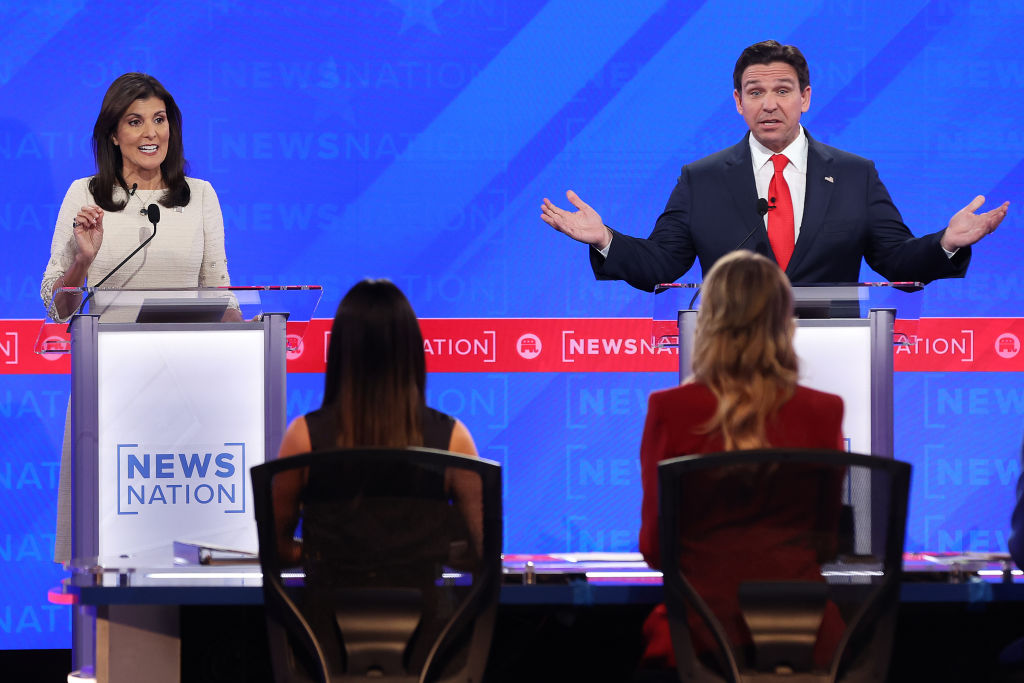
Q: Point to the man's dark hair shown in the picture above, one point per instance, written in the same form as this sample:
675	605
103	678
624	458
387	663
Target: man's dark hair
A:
769	51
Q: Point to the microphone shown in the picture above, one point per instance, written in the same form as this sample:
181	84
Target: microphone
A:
131	192
762	209
153	212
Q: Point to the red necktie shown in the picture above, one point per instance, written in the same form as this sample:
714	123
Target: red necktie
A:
780	218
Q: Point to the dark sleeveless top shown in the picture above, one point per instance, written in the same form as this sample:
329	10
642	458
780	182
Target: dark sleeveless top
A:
323	429
364	530
362	523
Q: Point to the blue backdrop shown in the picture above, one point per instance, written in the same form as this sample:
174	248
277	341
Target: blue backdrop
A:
414	139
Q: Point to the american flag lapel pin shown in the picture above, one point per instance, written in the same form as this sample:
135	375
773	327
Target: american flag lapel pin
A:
829	179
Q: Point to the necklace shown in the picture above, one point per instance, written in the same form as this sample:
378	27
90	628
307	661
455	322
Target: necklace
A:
144	203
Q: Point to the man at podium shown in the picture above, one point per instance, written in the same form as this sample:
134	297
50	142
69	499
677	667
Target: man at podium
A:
815	209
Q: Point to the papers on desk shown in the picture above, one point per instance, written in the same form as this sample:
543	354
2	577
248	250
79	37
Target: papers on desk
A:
576	567
956	567
191	552
955	558
620	558
962	561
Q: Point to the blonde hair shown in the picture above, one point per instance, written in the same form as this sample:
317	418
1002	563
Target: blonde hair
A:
743	350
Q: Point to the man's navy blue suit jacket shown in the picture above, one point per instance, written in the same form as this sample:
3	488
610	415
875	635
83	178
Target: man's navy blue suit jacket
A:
848	215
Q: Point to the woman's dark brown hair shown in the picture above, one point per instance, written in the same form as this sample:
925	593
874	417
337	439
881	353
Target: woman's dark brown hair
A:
122	92
376	369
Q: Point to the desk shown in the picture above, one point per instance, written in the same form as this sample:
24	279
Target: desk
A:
571	579
139	611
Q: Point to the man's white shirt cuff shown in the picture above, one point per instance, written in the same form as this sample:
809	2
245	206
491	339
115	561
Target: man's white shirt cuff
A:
607	247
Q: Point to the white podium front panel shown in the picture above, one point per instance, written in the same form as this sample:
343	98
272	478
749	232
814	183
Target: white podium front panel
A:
851	357
181	421
838	360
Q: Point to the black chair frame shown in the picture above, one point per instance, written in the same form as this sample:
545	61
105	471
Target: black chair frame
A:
474	617
872	626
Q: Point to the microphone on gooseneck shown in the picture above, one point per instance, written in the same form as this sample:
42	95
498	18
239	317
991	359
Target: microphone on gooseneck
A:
762	209
153	212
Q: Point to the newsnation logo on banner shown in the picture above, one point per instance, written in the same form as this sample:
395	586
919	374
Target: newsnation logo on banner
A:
204	475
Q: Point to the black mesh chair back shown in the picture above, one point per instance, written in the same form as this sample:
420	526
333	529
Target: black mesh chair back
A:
782	564
379	563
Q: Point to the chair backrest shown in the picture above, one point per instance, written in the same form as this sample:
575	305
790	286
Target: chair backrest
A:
782	564
379	563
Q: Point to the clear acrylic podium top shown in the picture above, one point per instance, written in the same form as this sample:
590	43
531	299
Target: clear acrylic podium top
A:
239	304
811	301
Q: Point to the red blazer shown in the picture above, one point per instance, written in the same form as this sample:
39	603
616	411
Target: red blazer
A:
723	530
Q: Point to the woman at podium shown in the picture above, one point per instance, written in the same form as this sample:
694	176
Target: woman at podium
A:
140	162
743	394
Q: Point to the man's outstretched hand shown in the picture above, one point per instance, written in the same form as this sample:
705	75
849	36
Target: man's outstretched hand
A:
584	225
966	227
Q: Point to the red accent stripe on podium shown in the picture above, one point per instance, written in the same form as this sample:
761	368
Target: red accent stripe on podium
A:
57	596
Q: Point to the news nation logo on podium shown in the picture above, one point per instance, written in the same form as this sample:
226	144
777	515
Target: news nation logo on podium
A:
200	475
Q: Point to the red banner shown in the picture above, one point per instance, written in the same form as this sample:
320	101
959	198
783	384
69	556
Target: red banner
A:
570	345
521	345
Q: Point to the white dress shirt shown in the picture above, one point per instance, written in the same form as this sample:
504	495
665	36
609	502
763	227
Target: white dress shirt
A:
795	174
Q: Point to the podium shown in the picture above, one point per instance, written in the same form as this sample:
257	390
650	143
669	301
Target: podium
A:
175	394
839	352
842	353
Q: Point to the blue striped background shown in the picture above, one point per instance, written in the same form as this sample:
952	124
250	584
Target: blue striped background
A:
414	139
